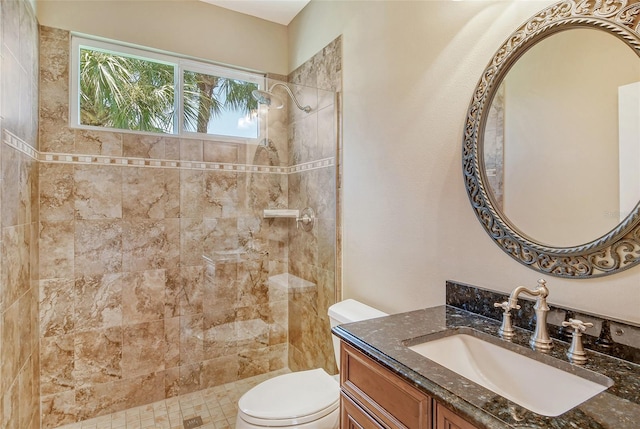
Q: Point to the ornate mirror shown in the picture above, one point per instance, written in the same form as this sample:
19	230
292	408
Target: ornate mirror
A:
551	150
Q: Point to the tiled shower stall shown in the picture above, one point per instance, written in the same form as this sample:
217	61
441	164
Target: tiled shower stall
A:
138	267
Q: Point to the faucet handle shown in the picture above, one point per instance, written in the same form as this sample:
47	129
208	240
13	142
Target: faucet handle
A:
505	306
576	353
578	325
506	330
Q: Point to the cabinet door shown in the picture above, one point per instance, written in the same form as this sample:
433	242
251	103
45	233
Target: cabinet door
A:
387	397
354	417
446	419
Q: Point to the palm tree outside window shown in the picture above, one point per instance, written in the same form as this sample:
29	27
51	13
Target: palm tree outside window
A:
157	93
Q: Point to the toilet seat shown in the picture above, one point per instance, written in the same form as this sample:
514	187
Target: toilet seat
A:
291	399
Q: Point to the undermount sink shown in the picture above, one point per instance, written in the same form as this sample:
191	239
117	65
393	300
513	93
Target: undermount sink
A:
534	385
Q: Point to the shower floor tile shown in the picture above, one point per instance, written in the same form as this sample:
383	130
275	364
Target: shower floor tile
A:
217	407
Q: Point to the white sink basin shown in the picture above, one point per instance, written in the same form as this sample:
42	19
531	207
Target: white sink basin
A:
534	385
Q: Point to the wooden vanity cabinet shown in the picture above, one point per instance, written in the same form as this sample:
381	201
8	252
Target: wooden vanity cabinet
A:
372	397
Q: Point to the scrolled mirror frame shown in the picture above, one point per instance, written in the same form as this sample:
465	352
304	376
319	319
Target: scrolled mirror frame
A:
619	249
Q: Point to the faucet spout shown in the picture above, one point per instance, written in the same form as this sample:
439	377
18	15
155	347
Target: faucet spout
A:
540	340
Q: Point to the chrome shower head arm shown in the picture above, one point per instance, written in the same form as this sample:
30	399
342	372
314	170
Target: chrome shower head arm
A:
306	108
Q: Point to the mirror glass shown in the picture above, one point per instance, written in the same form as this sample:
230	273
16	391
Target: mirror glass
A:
561	142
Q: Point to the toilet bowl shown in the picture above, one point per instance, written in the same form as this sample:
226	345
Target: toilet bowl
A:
304	399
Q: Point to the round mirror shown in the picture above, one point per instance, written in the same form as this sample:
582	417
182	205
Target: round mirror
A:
551	152
562	138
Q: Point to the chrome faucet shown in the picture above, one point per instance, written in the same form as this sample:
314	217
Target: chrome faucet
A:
540	340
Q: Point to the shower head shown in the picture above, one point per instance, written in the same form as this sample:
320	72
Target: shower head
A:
271	100
267	98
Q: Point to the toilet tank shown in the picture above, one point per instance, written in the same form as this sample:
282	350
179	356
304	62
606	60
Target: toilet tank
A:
348	311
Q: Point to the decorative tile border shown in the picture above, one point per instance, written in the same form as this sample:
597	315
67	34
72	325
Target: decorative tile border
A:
64	158
18	144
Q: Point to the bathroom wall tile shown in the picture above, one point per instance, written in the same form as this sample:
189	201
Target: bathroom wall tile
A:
190	378
55	135
99	301
98	192
16	263
220	371
253	289
220	152
252	334
144	244
220	333
191	241
173	293
251	236
11	406
98	247
25	394
192	280
172	382
25	347
253	362
98	356
220	238
191	339
278	357
172	149
327	132
12	74
57	359
278	327
59	409
57	249
10	364
303	140
106	398
95	142
220	286
191	150
16	188
143	146
172	342
56	192
172	244
143	349
57	309
143	193
221	191
143	296
172	193
326	241
191	191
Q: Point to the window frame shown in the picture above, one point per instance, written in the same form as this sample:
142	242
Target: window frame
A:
181	64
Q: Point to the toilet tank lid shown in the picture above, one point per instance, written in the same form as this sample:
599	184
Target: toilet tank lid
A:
350	310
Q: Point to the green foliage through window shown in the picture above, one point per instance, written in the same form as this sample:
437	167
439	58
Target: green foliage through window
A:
134	93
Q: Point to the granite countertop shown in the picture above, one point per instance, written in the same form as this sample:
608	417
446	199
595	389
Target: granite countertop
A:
384	340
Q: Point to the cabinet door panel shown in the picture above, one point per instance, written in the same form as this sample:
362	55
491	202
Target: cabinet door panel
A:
353	417
446	419
388	397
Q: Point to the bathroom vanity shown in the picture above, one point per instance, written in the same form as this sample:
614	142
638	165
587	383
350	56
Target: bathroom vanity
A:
385	384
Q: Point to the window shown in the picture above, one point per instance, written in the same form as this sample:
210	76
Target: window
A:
126	88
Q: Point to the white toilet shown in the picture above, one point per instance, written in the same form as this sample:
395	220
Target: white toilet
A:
305	399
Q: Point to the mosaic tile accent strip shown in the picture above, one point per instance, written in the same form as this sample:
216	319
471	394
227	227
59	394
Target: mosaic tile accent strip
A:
64	158
20	145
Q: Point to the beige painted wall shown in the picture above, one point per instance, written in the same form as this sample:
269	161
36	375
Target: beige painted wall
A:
187	27
409	69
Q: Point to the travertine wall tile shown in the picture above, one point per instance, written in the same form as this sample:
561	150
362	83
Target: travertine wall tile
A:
98	356
57	202
98	192
19	189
